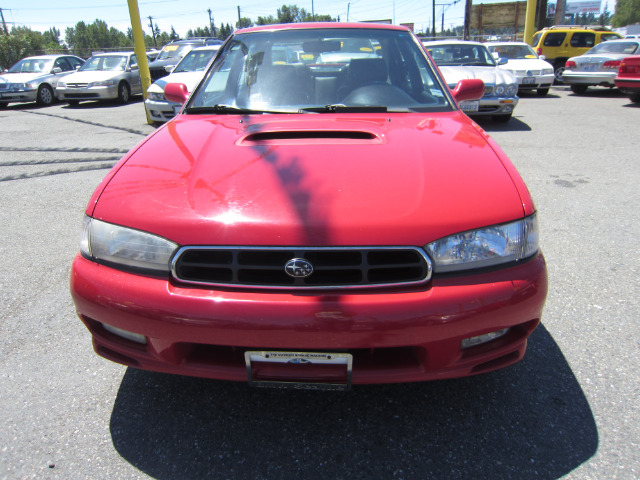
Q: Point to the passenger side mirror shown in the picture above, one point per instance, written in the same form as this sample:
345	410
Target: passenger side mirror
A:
178	93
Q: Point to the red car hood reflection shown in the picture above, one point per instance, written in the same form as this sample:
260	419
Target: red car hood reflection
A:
313	179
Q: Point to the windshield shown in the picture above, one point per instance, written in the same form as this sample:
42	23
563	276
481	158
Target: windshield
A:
106	62
195	61
461	54
32	65
317	70
513	52
174	51
626	48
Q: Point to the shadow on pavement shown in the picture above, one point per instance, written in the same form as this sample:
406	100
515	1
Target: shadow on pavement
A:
529	420
513	125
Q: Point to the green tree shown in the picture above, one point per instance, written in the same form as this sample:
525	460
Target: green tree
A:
627	13
224	31
21	42
244	22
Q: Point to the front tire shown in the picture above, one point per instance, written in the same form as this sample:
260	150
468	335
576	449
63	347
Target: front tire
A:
124	93
635	97
542	91
579	89
45	95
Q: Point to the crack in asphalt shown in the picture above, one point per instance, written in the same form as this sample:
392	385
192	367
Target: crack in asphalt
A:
94	124
85	168
63	149
56	162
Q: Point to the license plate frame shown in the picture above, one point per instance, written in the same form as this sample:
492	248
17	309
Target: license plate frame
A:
528	80
305	363
469	105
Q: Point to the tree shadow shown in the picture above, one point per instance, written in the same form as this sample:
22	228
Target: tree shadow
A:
529	420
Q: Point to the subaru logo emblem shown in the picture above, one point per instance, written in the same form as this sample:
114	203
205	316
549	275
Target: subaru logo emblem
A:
298	268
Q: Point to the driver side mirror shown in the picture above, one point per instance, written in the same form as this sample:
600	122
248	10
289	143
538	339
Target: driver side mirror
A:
468	89
56	70
503	61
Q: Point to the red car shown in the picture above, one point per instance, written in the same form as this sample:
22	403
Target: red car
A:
628	79
320	213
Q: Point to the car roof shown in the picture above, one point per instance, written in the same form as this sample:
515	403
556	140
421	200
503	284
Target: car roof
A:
451	42
321	25
207	47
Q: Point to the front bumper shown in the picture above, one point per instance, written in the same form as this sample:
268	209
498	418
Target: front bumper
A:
394	336
161	111
495	106
605	79
535	81
19	96
109	92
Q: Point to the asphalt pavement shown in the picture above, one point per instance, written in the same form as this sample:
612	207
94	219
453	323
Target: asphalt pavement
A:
569	409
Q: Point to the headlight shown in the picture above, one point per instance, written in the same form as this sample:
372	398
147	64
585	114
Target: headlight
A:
499	91
104	83
159	96
106	242
512	90
16	87
547	71
485	247
62	84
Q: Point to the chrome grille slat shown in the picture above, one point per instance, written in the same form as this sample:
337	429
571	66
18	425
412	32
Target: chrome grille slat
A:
334	267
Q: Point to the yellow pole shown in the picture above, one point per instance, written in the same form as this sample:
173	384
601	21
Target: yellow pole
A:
141	50
530	21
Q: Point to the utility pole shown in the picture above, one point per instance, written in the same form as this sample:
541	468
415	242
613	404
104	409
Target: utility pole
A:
211	25
313	14
4	25
153	31
433	6
348	7
466	34
238	14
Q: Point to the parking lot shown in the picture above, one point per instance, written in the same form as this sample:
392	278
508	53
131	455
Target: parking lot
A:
570	408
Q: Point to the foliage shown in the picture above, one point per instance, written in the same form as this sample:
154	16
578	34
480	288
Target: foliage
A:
627	13
244	22
23	42
84	39
293	14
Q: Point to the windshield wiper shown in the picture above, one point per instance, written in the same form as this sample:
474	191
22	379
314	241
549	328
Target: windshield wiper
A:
341	108
222	109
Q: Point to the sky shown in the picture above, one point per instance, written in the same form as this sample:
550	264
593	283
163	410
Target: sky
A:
183	15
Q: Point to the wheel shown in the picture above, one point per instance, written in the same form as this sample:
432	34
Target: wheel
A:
124	94
579	89
635	97
558	69
542	91
45	95
502	118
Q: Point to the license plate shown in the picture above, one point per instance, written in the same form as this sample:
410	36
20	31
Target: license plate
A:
528	80
590	67
469	106
299	370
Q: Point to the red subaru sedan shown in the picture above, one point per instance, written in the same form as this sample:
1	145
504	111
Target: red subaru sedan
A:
320	214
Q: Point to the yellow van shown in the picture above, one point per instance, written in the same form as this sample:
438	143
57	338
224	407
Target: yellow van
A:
560	42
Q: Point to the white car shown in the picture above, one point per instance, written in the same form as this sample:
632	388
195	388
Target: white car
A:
189	72
34	79
107	76
532	72
459	59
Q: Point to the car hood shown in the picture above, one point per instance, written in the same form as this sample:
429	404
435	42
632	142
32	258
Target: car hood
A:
92	76
23	77
489	75
190	79
526	64
327	179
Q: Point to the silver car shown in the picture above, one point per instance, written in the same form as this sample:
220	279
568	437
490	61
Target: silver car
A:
34	79
599	66
107	76
531	71
459	59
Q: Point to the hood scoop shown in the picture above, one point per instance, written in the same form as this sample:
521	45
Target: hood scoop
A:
299	137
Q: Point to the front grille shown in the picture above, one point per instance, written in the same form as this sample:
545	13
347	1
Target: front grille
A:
333	267
77	85
158	72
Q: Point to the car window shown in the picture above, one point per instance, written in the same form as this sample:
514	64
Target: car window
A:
133	61
627	48
74	62
461	54
63	64
608	36
536	39
583	39
554	39
174	51
372	67
32	65
195	61
513	52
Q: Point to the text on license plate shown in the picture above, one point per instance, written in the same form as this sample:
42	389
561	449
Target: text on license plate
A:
469	106
528	80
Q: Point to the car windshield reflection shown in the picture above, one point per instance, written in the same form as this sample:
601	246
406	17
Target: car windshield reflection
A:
305	70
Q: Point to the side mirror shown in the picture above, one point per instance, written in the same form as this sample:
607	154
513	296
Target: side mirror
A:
503	61
134	66
467	89
178	93
56	70
169	68
78	67
542	57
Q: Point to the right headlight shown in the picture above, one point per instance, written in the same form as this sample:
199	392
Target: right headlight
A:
485	247
116	245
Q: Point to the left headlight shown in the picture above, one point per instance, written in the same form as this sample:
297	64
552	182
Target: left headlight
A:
485	247
104	83
114	244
